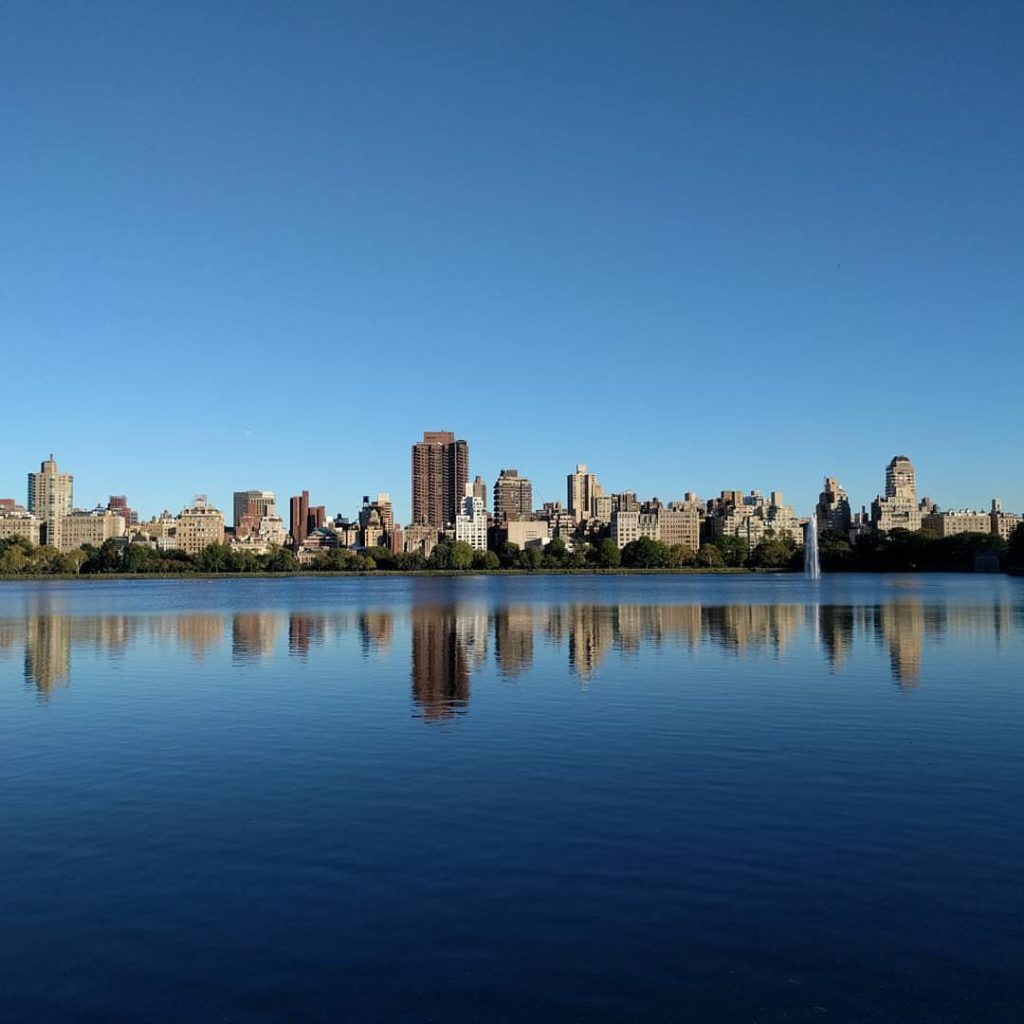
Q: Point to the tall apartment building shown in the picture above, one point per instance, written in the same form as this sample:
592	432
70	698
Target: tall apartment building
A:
480	489
304	517
199	526
899	508
440	471
674	525
582	490
256	523
832	512
253	506
376	521
680	524
629	525
118	504
471	521
50	498
513	495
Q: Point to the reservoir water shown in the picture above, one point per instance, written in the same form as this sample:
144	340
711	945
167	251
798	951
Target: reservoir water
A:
657	798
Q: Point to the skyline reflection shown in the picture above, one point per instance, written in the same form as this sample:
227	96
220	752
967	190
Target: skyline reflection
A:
450	642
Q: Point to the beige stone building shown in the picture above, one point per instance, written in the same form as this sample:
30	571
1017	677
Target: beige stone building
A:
81	528
751	516
19	524
950	522
629	525
899	509
50	498
680	524
198	527
582	490
527	533
1003	523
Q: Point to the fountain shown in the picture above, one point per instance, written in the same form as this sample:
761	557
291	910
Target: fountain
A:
812	565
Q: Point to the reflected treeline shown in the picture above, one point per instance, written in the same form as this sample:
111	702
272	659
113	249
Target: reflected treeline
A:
449	642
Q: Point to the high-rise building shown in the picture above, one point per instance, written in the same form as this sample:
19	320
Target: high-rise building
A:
480	489
253	506
376	521
199	526
833	509
900	479
898	510
440	471
50	498
513	495
299	519
471	522
582	490
118	504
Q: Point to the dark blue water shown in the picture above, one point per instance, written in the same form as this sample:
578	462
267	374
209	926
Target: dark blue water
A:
489	799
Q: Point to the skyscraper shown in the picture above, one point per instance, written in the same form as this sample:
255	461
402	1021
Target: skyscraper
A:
480	489
513	495
899	508
900	479
50	498
582	489
833	510
440	470
253	505
299	519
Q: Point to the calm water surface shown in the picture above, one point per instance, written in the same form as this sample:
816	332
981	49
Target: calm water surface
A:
495	799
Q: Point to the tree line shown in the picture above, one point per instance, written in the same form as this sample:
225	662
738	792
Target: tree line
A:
897	551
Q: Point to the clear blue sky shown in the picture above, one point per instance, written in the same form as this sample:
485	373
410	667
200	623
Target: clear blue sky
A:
696	246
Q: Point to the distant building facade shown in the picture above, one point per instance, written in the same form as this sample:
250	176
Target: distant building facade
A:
832	512
440	472
95	527
898	510
582	491
199	526
471	522
513	495
50	498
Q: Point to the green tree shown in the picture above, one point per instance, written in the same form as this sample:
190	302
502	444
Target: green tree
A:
1015	549
735	550
608	554
773	551
486	560
681	556
710	556
531	558
462	555
555	553
645	553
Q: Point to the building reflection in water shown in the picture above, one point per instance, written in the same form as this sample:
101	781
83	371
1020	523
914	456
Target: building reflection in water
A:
449	642
253	635
440	662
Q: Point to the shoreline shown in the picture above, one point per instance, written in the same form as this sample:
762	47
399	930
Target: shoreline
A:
456	573
369	573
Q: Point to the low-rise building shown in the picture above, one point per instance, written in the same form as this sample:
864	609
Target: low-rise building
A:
16	522
951	522
81	528
525	533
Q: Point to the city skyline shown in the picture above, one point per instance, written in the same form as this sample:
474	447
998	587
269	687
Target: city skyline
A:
316	515
710	229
